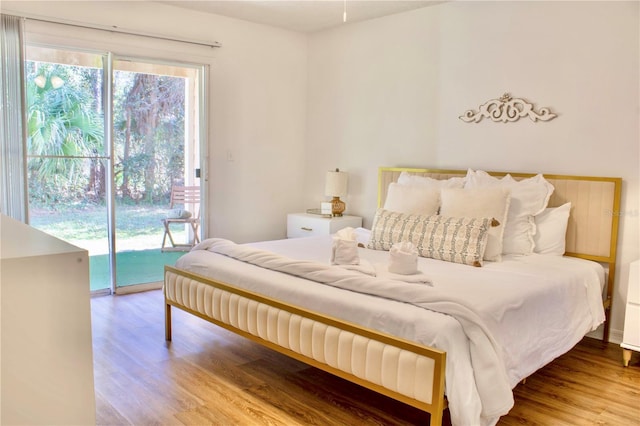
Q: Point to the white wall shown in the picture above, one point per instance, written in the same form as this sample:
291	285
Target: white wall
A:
257	99
388	92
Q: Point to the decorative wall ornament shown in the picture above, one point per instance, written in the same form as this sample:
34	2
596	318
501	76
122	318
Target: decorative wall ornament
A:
506	109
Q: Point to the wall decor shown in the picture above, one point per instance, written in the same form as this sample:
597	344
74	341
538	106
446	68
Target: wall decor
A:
506	109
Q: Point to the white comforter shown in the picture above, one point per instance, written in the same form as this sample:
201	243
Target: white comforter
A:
514	317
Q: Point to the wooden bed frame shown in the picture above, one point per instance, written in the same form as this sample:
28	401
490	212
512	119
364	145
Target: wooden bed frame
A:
368	357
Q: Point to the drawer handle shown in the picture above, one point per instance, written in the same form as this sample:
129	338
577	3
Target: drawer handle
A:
304	228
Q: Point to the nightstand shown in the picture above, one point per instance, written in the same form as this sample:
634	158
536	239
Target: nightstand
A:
631	334
306	224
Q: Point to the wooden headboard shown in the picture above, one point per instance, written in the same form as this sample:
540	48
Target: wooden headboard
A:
592	231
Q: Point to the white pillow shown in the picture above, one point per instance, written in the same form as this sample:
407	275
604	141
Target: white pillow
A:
551	230
529	197
409	179
479	203
412	199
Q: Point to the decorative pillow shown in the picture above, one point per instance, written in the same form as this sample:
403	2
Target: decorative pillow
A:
479	203
459	240
551	230
412	199
529	197
178	214
409	179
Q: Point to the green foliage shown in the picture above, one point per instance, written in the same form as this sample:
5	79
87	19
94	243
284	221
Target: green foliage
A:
62	123
149	133
65	122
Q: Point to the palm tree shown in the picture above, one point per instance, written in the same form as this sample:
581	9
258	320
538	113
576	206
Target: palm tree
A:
64	120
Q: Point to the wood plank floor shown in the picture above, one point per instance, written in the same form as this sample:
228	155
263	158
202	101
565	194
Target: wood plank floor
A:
208	375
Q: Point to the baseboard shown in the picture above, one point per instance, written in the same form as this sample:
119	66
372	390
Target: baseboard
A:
615	336
99	293
139	287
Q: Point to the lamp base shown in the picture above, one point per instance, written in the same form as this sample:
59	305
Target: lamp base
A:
337	207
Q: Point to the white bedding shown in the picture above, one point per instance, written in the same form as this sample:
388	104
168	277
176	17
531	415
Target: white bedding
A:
535	307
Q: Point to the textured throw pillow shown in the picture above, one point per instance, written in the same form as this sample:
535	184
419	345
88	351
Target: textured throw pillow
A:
551	230
412	199
479	203
529	197
459	240
416	180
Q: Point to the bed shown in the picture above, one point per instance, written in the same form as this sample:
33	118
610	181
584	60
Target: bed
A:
425	342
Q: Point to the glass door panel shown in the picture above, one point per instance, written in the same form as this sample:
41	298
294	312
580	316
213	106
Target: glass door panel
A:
67	161
154	150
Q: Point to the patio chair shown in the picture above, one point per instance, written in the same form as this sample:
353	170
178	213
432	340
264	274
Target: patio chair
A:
189	198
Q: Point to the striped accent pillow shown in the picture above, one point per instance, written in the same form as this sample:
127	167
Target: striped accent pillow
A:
452	239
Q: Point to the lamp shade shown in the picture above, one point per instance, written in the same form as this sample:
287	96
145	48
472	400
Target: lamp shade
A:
336	184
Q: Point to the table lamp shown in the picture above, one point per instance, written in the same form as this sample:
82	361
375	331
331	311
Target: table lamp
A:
336	187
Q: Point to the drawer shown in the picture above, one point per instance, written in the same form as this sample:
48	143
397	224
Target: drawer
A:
304	226
633	291
307	225
632	325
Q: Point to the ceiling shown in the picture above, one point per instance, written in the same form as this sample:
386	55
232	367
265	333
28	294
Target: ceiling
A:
302	15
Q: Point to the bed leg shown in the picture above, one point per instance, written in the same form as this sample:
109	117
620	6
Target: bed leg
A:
626	357
167	322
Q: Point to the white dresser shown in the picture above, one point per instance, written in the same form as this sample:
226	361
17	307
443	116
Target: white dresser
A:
307	225
631	335
45	309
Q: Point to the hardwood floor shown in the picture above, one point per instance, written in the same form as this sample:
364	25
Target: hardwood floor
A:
208	375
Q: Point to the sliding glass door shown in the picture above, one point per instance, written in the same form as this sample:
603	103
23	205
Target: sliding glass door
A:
107	141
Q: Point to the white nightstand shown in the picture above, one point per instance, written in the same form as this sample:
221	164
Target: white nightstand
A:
631	335
306	225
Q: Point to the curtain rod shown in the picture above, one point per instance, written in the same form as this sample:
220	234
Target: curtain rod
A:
115	29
